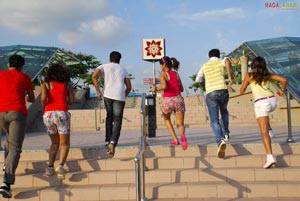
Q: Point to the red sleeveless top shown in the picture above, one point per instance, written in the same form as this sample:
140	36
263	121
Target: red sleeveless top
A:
173	85
57	97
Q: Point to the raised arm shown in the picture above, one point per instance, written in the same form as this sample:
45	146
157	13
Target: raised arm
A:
283	82
228	69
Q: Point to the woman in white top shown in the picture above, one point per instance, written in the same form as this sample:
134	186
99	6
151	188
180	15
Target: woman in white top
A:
264	100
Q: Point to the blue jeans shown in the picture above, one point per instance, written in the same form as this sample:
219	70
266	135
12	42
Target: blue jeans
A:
114	117
217	102
13	123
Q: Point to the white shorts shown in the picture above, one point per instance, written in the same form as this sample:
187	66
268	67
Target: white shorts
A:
264	107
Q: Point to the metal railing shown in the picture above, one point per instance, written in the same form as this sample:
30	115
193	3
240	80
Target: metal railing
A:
140	157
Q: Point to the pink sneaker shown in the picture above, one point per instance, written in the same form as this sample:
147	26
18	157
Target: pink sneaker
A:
174	143
184	143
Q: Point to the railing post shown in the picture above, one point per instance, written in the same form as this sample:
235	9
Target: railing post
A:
288	103
140	158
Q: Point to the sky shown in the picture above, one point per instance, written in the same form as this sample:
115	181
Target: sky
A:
190	28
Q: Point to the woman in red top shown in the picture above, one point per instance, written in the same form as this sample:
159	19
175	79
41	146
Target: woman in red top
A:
56	94
172	100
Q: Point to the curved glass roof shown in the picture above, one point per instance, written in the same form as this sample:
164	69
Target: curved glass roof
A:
36	57
282	56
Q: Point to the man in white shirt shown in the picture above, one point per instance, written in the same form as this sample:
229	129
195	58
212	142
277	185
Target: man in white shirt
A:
117	86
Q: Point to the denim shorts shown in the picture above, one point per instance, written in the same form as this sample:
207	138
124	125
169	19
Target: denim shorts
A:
173	104
264	107
57	122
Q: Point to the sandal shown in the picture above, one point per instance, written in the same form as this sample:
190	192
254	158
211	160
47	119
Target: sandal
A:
174	143
184	143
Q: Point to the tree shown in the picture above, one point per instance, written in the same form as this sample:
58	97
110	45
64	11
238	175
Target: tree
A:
196	85
82	71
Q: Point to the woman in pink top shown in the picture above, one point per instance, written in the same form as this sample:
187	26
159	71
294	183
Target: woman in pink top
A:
56	94
172	100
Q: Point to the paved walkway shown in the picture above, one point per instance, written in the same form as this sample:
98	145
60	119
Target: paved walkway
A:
200	136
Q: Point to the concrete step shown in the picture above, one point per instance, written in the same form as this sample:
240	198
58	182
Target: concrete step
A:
230	190
172	174
195	175
162	163
165	151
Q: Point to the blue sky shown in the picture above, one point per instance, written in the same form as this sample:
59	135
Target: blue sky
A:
190	28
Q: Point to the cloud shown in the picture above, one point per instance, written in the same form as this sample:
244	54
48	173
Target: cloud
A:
106	32
73	21
36	17
224	44
280	29
216	15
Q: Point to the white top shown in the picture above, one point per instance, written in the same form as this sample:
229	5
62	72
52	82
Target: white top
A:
114	81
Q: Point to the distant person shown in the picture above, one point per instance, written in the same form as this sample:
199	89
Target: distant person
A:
117	86
56	95
14	86
172	102
264	100
213	74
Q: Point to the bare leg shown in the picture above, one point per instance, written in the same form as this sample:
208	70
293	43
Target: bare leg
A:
64	148
180	122
168	123
53	148
263	123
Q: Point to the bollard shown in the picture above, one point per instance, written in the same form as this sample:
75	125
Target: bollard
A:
150	104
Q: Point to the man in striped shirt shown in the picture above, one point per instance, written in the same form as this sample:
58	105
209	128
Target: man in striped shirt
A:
217	96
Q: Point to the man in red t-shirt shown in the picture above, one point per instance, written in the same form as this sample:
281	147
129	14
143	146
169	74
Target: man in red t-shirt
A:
14	86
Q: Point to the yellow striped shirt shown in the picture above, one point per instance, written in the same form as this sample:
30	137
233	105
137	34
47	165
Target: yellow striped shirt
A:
213	71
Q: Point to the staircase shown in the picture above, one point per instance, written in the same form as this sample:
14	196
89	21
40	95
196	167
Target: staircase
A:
194	174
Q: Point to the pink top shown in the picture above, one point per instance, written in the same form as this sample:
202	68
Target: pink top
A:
173	85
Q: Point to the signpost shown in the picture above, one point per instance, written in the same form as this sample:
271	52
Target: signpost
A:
152	50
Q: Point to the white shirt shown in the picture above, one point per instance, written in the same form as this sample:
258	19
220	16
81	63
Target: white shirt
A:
114	81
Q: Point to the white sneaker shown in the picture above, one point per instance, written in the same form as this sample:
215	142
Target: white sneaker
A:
49	171
270	162
221	149
226	138
271	133
60	172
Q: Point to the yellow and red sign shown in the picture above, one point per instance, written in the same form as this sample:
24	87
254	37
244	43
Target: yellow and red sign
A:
153	49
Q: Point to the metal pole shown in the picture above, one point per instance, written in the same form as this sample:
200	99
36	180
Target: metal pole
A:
137	176
153	73
288	103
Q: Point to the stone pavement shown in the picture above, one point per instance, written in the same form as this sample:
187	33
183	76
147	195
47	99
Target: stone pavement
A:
200	136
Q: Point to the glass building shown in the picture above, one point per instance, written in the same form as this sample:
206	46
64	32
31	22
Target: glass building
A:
36	58
282	56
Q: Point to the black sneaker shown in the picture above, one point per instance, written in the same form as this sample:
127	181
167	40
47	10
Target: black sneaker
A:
5	190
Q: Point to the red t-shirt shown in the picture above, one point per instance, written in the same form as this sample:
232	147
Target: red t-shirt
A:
57	97
173	85
13	85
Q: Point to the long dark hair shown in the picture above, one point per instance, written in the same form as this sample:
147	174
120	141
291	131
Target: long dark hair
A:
260	72
57	72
